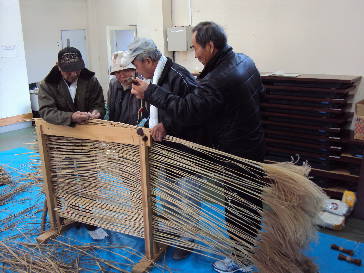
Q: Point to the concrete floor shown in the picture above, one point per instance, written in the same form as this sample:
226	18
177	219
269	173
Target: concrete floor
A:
18	138
354	228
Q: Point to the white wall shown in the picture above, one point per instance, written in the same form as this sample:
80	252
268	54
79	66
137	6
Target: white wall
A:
154	16
324	37
182	16
43	21
150	16
100	15
293	36
14	90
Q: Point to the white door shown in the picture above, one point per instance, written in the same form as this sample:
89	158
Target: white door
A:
75	38
118	39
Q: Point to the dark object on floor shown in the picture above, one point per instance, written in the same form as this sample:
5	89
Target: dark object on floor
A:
180	254
349	259
90	227
344	250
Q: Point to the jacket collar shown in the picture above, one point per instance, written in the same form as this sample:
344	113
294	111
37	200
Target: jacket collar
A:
167	68
54	76
215	61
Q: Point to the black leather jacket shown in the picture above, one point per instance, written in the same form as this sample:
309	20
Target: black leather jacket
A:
227	100
176	80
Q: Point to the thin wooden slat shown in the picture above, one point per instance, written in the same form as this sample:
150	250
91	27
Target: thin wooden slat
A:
303	108
324	120
308	99
45	236
99	133
294	143
334	174
316	78
15	119
292	89
346	158
319	138
150	246
311	127
48	187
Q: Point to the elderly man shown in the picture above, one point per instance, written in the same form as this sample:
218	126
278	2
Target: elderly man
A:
228	101
70	93
151	64
163	72
122	105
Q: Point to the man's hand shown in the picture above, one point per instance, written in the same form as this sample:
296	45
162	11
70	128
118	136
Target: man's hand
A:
138	88
94	114
80	117
158	132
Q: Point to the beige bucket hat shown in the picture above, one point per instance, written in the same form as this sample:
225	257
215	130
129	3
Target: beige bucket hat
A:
120	61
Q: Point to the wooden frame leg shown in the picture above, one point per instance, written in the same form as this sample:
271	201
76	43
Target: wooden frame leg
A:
152	250
144	264
52	233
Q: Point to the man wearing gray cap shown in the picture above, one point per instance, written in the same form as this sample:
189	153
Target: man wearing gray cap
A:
122	105
162	71
70	93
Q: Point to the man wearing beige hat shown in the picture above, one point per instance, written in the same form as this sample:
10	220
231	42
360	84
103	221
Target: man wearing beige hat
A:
122	105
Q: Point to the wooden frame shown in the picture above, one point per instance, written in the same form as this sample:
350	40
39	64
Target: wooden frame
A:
322	119
132	136
15	119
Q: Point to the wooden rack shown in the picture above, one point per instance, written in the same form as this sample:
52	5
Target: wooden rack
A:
307	117
132	136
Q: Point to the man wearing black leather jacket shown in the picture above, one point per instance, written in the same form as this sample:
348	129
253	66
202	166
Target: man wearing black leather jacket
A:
174	78
227	99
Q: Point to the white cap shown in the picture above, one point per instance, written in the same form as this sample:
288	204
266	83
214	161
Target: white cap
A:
120	61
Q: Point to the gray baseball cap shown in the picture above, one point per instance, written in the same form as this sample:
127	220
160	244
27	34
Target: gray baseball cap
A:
139	46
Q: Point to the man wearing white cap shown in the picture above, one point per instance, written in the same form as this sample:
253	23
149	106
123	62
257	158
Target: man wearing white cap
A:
122	105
